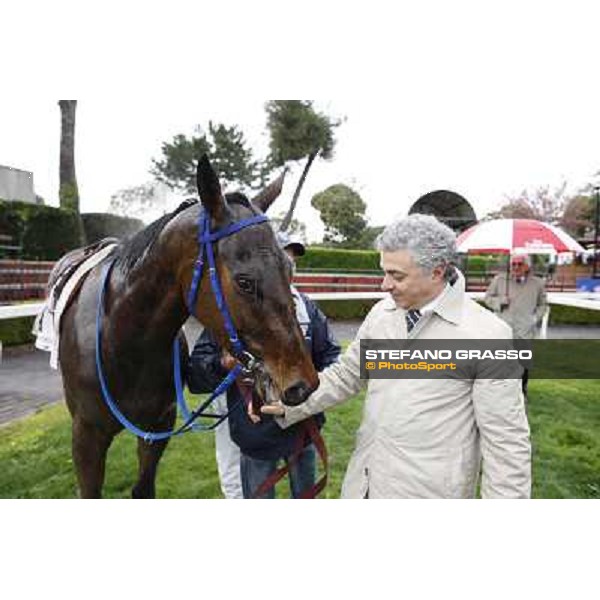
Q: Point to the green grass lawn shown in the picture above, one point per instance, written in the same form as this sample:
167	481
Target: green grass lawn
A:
35	456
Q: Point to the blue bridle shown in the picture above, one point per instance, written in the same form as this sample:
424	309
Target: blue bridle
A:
246	361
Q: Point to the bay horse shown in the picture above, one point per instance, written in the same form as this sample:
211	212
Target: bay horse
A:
144	310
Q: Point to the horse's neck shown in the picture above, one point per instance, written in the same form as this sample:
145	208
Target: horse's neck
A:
146	304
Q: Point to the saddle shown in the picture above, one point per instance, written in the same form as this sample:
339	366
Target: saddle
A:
65	280
69	263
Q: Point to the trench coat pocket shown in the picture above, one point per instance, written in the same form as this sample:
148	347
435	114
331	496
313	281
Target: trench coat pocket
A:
433	473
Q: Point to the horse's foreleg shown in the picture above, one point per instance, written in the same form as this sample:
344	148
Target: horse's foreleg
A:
89	447
148	457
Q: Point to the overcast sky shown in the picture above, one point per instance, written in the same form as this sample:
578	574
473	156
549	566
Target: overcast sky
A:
482	107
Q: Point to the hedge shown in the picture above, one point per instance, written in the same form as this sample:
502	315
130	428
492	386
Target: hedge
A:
50	233
14	332
481	263
43	232
332	259
100	225
46	232
571	315
325	259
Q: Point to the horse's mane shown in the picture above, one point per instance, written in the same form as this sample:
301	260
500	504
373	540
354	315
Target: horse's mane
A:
239	198
131	250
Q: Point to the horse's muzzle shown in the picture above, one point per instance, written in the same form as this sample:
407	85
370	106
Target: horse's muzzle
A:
297	394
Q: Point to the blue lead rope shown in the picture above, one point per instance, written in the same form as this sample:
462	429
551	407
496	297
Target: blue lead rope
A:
205	240
188	417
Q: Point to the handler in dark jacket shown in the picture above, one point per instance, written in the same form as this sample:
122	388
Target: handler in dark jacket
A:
264	444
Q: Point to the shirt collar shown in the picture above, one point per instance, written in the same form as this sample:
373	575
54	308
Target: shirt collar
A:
448	304
432	304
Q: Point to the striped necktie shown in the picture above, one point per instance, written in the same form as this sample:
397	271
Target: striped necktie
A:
412	318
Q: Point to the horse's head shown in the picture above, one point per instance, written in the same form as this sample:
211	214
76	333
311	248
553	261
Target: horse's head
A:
255	276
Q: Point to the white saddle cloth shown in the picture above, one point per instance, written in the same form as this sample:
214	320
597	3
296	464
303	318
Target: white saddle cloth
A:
46	327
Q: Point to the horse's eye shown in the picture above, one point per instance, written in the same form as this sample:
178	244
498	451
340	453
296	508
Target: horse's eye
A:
246	285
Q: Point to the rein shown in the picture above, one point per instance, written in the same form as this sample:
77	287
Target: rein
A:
249	363
310	433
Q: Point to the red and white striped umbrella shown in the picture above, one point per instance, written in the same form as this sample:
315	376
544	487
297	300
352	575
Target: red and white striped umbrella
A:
516	235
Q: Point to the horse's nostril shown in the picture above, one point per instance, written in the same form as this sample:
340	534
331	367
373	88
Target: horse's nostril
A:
296	394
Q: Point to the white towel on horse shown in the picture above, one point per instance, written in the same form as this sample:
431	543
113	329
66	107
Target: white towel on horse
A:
46	327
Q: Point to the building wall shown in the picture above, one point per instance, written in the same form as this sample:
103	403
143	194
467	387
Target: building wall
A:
16	184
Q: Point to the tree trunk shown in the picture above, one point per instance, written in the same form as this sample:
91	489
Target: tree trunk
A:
68	190
287	220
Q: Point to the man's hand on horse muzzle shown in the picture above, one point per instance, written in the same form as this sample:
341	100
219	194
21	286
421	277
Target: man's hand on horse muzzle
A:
276	410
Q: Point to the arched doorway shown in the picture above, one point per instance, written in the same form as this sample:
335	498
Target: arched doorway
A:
449	207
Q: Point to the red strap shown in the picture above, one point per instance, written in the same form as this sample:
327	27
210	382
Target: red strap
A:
309	431
317	439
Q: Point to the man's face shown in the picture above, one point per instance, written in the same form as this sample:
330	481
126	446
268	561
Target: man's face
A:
410	287
519	267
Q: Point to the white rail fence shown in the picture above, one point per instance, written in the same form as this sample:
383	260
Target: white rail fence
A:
578	300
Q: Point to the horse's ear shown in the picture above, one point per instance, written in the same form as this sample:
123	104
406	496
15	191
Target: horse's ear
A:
209	188
270	193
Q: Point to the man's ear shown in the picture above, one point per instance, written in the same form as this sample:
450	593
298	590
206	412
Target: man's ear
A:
438	273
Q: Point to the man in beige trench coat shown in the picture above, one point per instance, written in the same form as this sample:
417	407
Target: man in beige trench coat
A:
519	298
427	438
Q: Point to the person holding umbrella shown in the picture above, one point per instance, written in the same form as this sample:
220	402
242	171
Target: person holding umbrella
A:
519	298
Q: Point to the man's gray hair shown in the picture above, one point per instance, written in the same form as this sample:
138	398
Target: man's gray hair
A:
430	242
